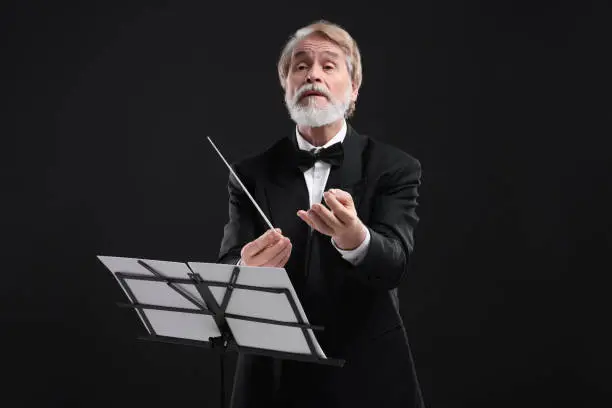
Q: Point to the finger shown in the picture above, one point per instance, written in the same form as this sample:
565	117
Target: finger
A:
284	261
265	240
269	253
343	214
280	259
319	224
327	216
254	247
345	198
315	222
306	218
285	256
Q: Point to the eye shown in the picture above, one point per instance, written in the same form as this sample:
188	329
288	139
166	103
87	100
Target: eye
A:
301	67
328	67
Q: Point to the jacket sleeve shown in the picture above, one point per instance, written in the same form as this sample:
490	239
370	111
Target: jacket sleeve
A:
391	228
240	228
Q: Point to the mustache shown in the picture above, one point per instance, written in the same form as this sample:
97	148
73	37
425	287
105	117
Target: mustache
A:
311	88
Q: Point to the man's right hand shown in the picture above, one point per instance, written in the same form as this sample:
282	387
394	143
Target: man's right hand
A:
270	249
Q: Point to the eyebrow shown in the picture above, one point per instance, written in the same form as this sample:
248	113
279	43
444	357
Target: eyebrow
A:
331	54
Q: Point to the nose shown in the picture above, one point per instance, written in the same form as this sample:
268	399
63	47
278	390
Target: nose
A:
314	75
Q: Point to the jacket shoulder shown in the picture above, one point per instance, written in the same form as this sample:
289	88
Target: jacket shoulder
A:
388	157
258	163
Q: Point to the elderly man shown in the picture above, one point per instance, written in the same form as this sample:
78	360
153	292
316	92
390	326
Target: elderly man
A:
344	205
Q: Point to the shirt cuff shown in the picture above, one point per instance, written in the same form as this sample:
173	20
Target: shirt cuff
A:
355	256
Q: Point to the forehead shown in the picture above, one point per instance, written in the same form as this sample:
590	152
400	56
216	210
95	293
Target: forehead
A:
316	44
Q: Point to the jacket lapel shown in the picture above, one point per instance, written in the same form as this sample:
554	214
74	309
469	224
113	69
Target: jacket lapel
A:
286	192
350	176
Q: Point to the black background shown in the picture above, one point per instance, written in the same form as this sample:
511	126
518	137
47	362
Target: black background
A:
506	105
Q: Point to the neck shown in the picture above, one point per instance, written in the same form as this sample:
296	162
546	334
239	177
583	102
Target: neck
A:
318	136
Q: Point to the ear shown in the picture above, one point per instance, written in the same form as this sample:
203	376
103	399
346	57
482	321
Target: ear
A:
355	92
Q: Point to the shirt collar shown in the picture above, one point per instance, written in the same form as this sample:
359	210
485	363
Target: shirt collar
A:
304	144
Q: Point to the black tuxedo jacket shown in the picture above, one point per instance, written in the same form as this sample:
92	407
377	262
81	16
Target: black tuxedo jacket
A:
358	305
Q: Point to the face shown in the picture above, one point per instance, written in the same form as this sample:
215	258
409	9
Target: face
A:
318	89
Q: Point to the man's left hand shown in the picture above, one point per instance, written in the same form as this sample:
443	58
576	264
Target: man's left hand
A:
339	222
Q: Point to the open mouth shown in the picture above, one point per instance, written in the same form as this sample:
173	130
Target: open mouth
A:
311	93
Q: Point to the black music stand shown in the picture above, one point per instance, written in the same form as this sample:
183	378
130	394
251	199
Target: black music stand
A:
190	314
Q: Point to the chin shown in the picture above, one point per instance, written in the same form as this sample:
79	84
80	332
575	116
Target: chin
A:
314	117
309	100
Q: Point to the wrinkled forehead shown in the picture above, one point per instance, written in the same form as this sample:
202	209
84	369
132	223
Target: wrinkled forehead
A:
315	45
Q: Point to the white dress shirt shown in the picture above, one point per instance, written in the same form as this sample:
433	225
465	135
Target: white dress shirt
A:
316	179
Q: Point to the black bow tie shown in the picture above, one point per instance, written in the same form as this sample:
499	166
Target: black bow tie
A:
333	155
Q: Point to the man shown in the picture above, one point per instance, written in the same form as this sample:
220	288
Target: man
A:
345	220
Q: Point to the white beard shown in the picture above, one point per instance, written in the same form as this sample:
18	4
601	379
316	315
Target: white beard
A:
313	116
